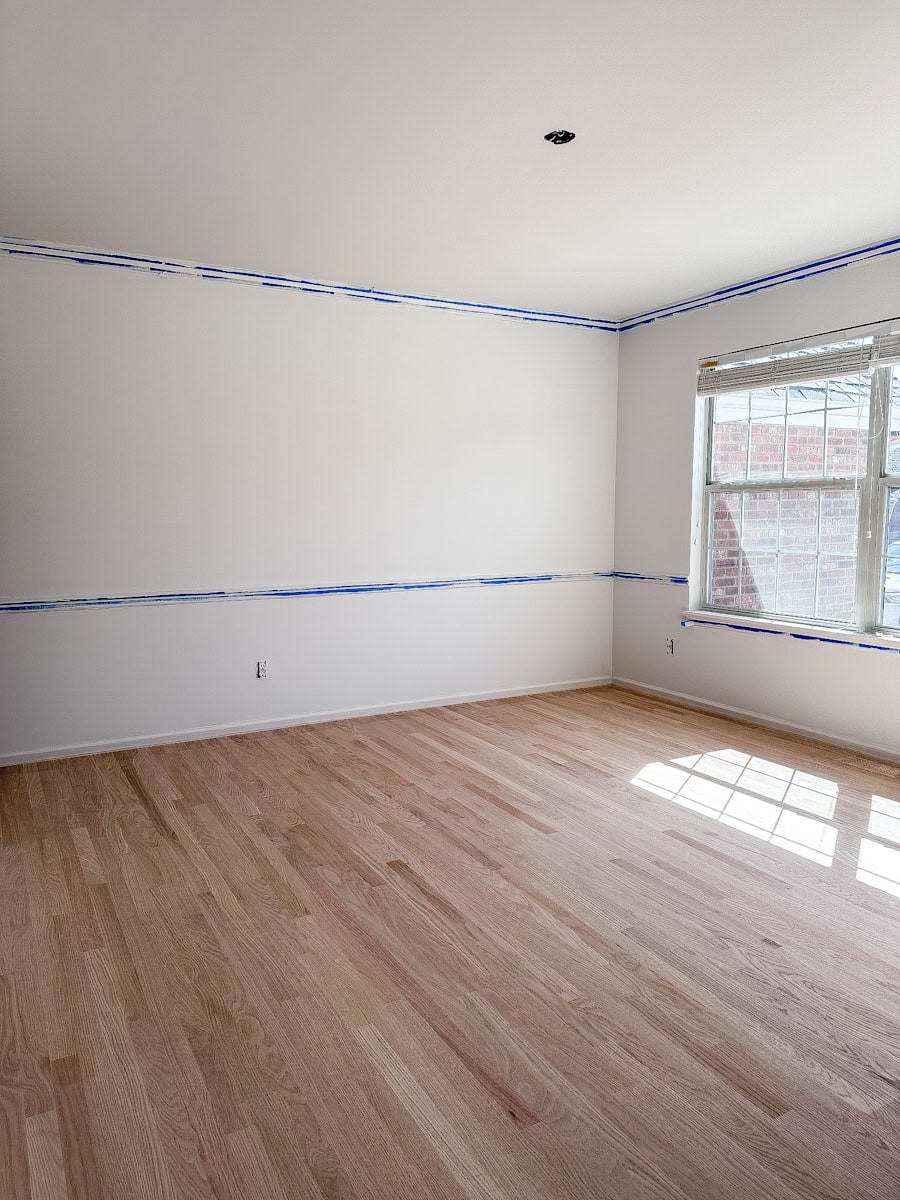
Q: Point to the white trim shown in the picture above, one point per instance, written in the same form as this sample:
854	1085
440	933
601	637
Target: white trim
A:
805	483
867	602
701	704
700	502
200	733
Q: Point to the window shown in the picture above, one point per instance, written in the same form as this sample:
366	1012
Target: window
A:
800	510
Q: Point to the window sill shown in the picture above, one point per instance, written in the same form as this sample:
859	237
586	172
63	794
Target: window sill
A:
804	633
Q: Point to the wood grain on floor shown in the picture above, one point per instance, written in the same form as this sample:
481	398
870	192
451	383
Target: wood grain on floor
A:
575	945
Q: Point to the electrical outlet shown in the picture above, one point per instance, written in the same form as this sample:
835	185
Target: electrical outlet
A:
670	645
261	668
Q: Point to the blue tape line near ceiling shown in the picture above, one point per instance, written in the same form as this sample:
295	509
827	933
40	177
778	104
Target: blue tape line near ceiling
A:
158	266
87	257
835	262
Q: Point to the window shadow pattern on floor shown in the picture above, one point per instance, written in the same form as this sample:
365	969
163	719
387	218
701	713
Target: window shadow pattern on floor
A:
794	810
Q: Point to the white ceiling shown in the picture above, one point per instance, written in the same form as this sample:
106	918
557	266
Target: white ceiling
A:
399	143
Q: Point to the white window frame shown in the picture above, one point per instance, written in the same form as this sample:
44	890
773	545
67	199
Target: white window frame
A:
874	488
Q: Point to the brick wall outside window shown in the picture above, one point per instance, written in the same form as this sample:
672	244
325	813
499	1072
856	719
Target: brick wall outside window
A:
806	451
791	552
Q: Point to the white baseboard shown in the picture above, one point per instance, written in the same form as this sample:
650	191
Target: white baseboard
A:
745	714
199	733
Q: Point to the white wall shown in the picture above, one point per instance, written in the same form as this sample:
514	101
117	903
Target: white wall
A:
169	434
845	693
164	434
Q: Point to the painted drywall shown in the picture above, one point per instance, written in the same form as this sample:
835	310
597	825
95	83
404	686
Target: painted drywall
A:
168	434
845	693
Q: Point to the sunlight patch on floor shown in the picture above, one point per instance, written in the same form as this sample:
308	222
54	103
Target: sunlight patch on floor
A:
754	795
879	865
788	808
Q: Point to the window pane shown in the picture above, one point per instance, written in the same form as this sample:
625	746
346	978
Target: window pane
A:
790	552
760	521
891	608
798	537
890	614
893	440
766	459
799	526
847	439
731	415
837	588
839	525
798	432
805	431
725	551
796	596
758	576
817	554
838	530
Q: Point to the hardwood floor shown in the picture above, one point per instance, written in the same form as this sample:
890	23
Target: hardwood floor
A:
454	953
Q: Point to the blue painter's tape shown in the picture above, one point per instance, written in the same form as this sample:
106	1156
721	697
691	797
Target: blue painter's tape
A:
889	246
498	308
347	589
836	262
800	637
750	287
104	258
114	259
637	575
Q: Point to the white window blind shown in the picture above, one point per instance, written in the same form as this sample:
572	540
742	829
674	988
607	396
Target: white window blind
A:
858	358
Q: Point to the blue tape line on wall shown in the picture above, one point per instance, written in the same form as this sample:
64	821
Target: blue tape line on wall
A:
636	575
345	589
789	633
